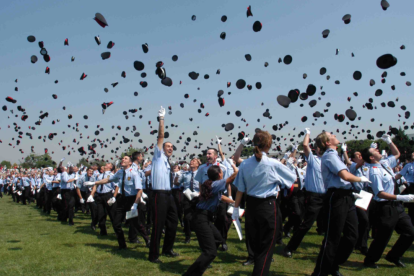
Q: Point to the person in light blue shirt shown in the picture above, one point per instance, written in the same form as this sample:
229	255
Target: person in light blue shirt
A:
162	202
207	234
104	193
84	192
68	193
389	211
314	195
340	206
47	185
127	195
188	181
260	178
25	184
408	173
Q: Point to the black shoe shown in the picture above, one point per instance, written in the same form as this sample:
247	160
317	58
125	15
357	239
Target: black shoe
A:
287	234
156	261
397	262
370	265
287	253
224	247
337	273
103	234
209	266
136	241
122	247
248	262
93	227
71	224
148	244
171	254
280	243
187	240
182	224
363	250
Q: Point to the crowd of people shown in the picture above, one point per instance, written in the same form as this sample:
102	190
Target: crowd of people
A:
276	198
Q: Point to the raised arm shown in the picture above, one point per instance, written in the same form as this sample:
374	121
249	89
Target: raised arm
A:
239	149
306	148
345	154
393	147
161	114
219	148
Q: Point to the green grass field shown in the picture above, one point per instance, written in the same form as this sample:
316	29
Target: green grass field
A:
35	244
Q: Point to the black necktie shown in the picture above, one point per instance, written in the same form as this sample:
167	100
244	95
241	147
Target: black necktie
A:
123	183
101	188
396	189
298	179
192	182
171	176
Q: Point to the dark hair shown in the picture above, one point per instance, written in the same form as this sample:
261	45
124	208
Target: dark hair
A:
262	141
215	151
70	170
366	154
135	155
112	167
205	189
321	141
90	168
60	169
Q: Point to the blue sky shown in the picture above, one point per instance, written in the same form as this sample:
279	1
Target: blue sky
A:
289	27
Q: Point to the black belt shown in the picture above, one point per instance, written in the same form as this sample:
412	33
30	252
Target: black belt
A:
389	202
261	199
162	192
340	191
315	194
104	194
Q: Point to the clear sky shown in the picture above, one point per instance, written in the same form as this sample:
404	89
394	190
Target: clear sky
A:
289	28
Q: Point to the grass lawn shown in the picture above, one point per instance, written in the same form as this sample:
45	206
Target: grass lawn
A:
35	244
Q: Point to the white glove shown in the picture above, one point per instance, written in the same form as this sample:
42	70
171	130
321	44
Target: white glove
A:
364	179
295	147
374	145
235	215
245	140
405	198
63	159
286	156
59	196
76	177
307	130
143	201
134	207
218	140
38	190
90	199
144	195
386	138
111	201
161	112
343	147
116	163
82	201
231	197
356	196
88	183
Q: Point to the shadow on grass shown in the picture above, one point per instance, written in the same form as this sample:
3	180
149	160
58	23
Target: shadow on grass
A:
16	248
128	253
14	241
174	267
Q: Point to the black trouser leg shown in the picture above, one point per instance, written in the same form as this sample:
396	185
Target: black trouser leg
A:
48	197
261	228
85	205
410	206
94	212
165	214
223	220
388	218
142	212
68	204
134	226
187	217
118	218
208	238
56	203
313	203
101	204
25	195
341	219
363	227
178	196
149	207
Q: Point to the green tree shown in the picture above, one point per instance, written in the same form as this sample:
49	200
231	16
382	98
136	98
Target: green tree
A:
6	163
83	162
130	151
247	151
37	161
